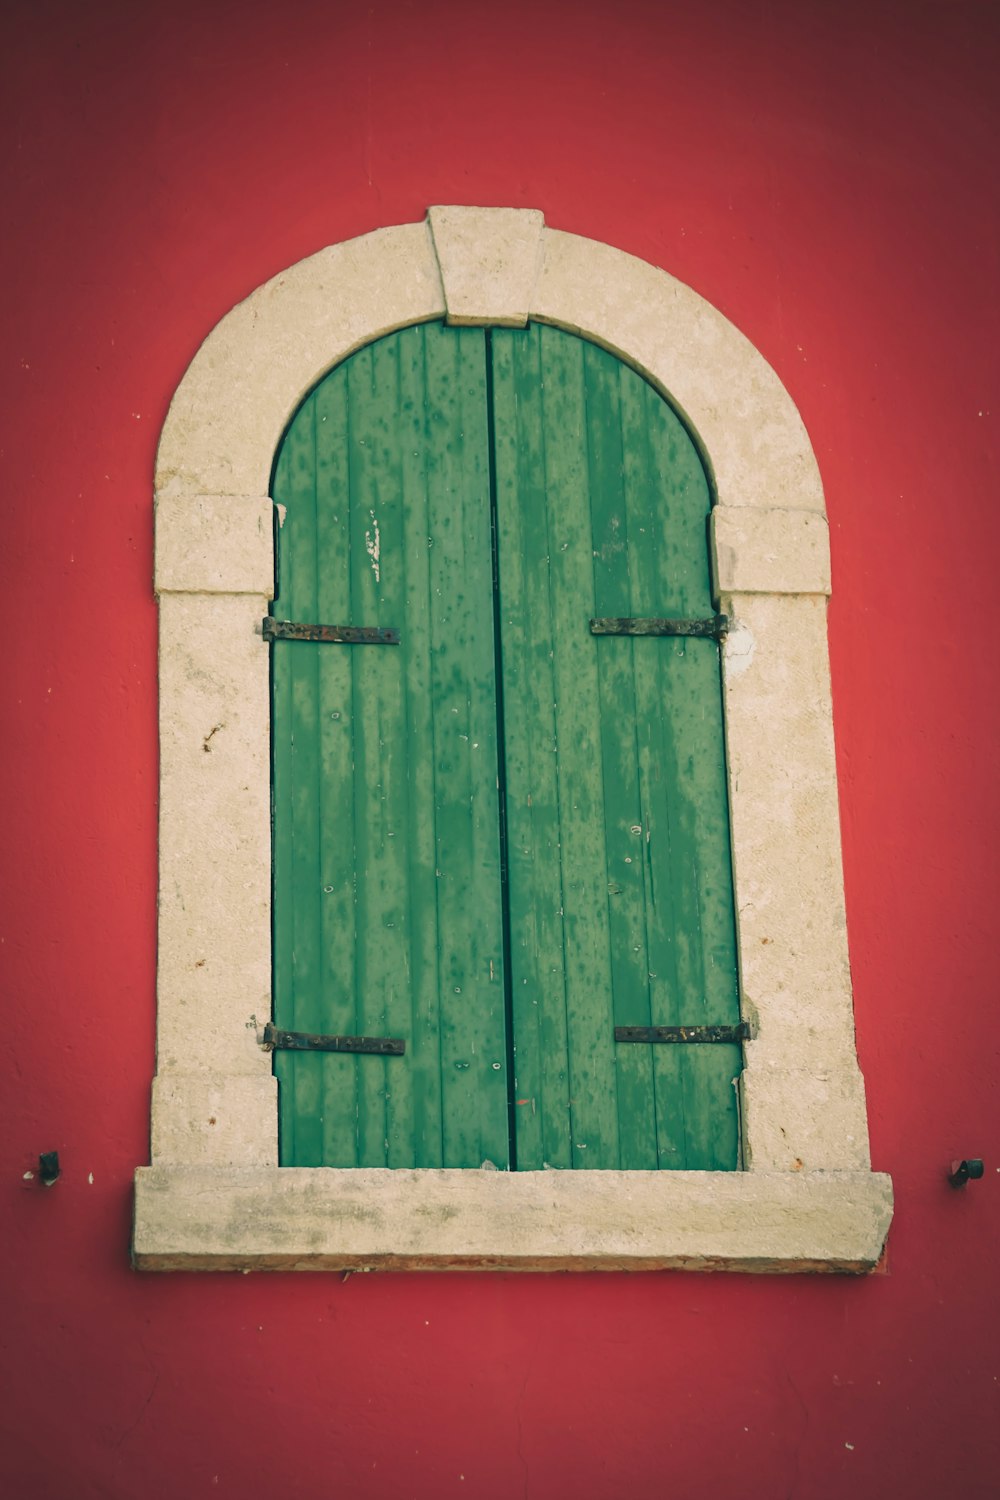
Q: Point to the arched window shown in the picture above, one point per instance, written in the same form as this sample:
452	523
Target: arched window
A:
501	837
215	1195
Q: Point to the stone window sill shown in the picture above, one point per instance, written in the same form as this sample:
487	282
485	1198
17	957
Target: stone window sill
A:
367	1219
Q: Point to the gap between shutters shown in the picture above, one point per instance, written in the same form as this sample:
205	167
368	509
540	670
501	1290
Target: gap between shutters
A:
507	963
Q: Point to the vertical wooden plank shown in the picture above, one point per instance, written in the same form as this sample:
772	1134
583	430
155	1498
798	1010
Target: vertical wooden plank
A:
463	693
334	812
281	838
422	1143
377	597
627	894
645	501
296	785
538	977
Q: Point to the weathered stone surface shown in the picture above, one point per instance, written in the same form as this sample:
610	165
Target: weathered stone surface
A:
246	380
785	825
800	1119
214	957
756	551
754	439
320	1219
214	544
489	259
216	1121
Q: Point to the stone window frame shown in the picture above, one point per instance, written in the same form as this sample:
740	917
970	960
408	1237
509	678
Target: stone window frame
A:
214	1197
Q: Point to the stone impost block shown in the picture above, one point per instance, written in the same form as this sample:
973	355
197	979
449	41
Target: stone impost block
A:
214	544
769	551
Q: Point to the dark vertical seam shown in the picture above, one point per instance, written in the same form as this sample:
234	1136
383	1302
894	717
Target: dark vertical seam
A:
506	957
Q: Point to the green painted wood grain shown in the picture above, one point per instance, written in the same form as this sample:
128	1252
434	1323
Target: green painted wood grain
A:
689	911
386	893
542	1087
602	503
463	693
387	770
614	550
557	880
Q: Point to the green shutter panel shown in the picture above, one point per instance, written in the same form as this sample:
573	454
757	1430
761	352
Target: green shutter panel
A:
434	480
621	903
387	917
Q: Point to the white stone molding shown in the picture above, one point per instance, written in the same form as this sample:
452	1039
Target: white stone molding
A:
214	1197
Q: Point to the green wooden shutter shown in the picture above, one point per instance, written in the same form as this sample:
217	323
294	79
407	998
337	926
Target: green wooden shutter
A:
436	482
387	913
621	905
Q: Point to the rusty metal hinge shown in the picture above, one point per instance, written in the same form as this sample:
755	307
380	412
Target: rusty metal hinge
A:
346	635
715	626
738	1033
304	1041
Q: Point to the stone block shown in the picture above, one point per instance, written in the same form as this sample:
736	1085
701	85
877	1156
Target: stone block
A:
293	1218
769	551
489	261
214	544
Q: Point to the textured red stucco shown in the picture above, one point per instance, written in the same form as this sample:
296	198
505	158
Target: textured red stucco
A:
823	173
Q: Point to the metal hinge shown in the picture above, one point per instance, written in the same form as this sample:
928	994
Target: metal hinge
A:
346	635
304	1041
715	626
739	1033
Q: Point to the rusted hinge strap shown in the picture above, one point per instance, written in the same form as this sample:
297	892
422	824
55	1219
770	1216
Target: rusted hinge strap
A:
304	1041
740	1033
346	635
715	626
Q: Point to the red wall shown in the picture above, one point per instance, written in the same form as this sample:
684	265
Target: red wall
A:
822	173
